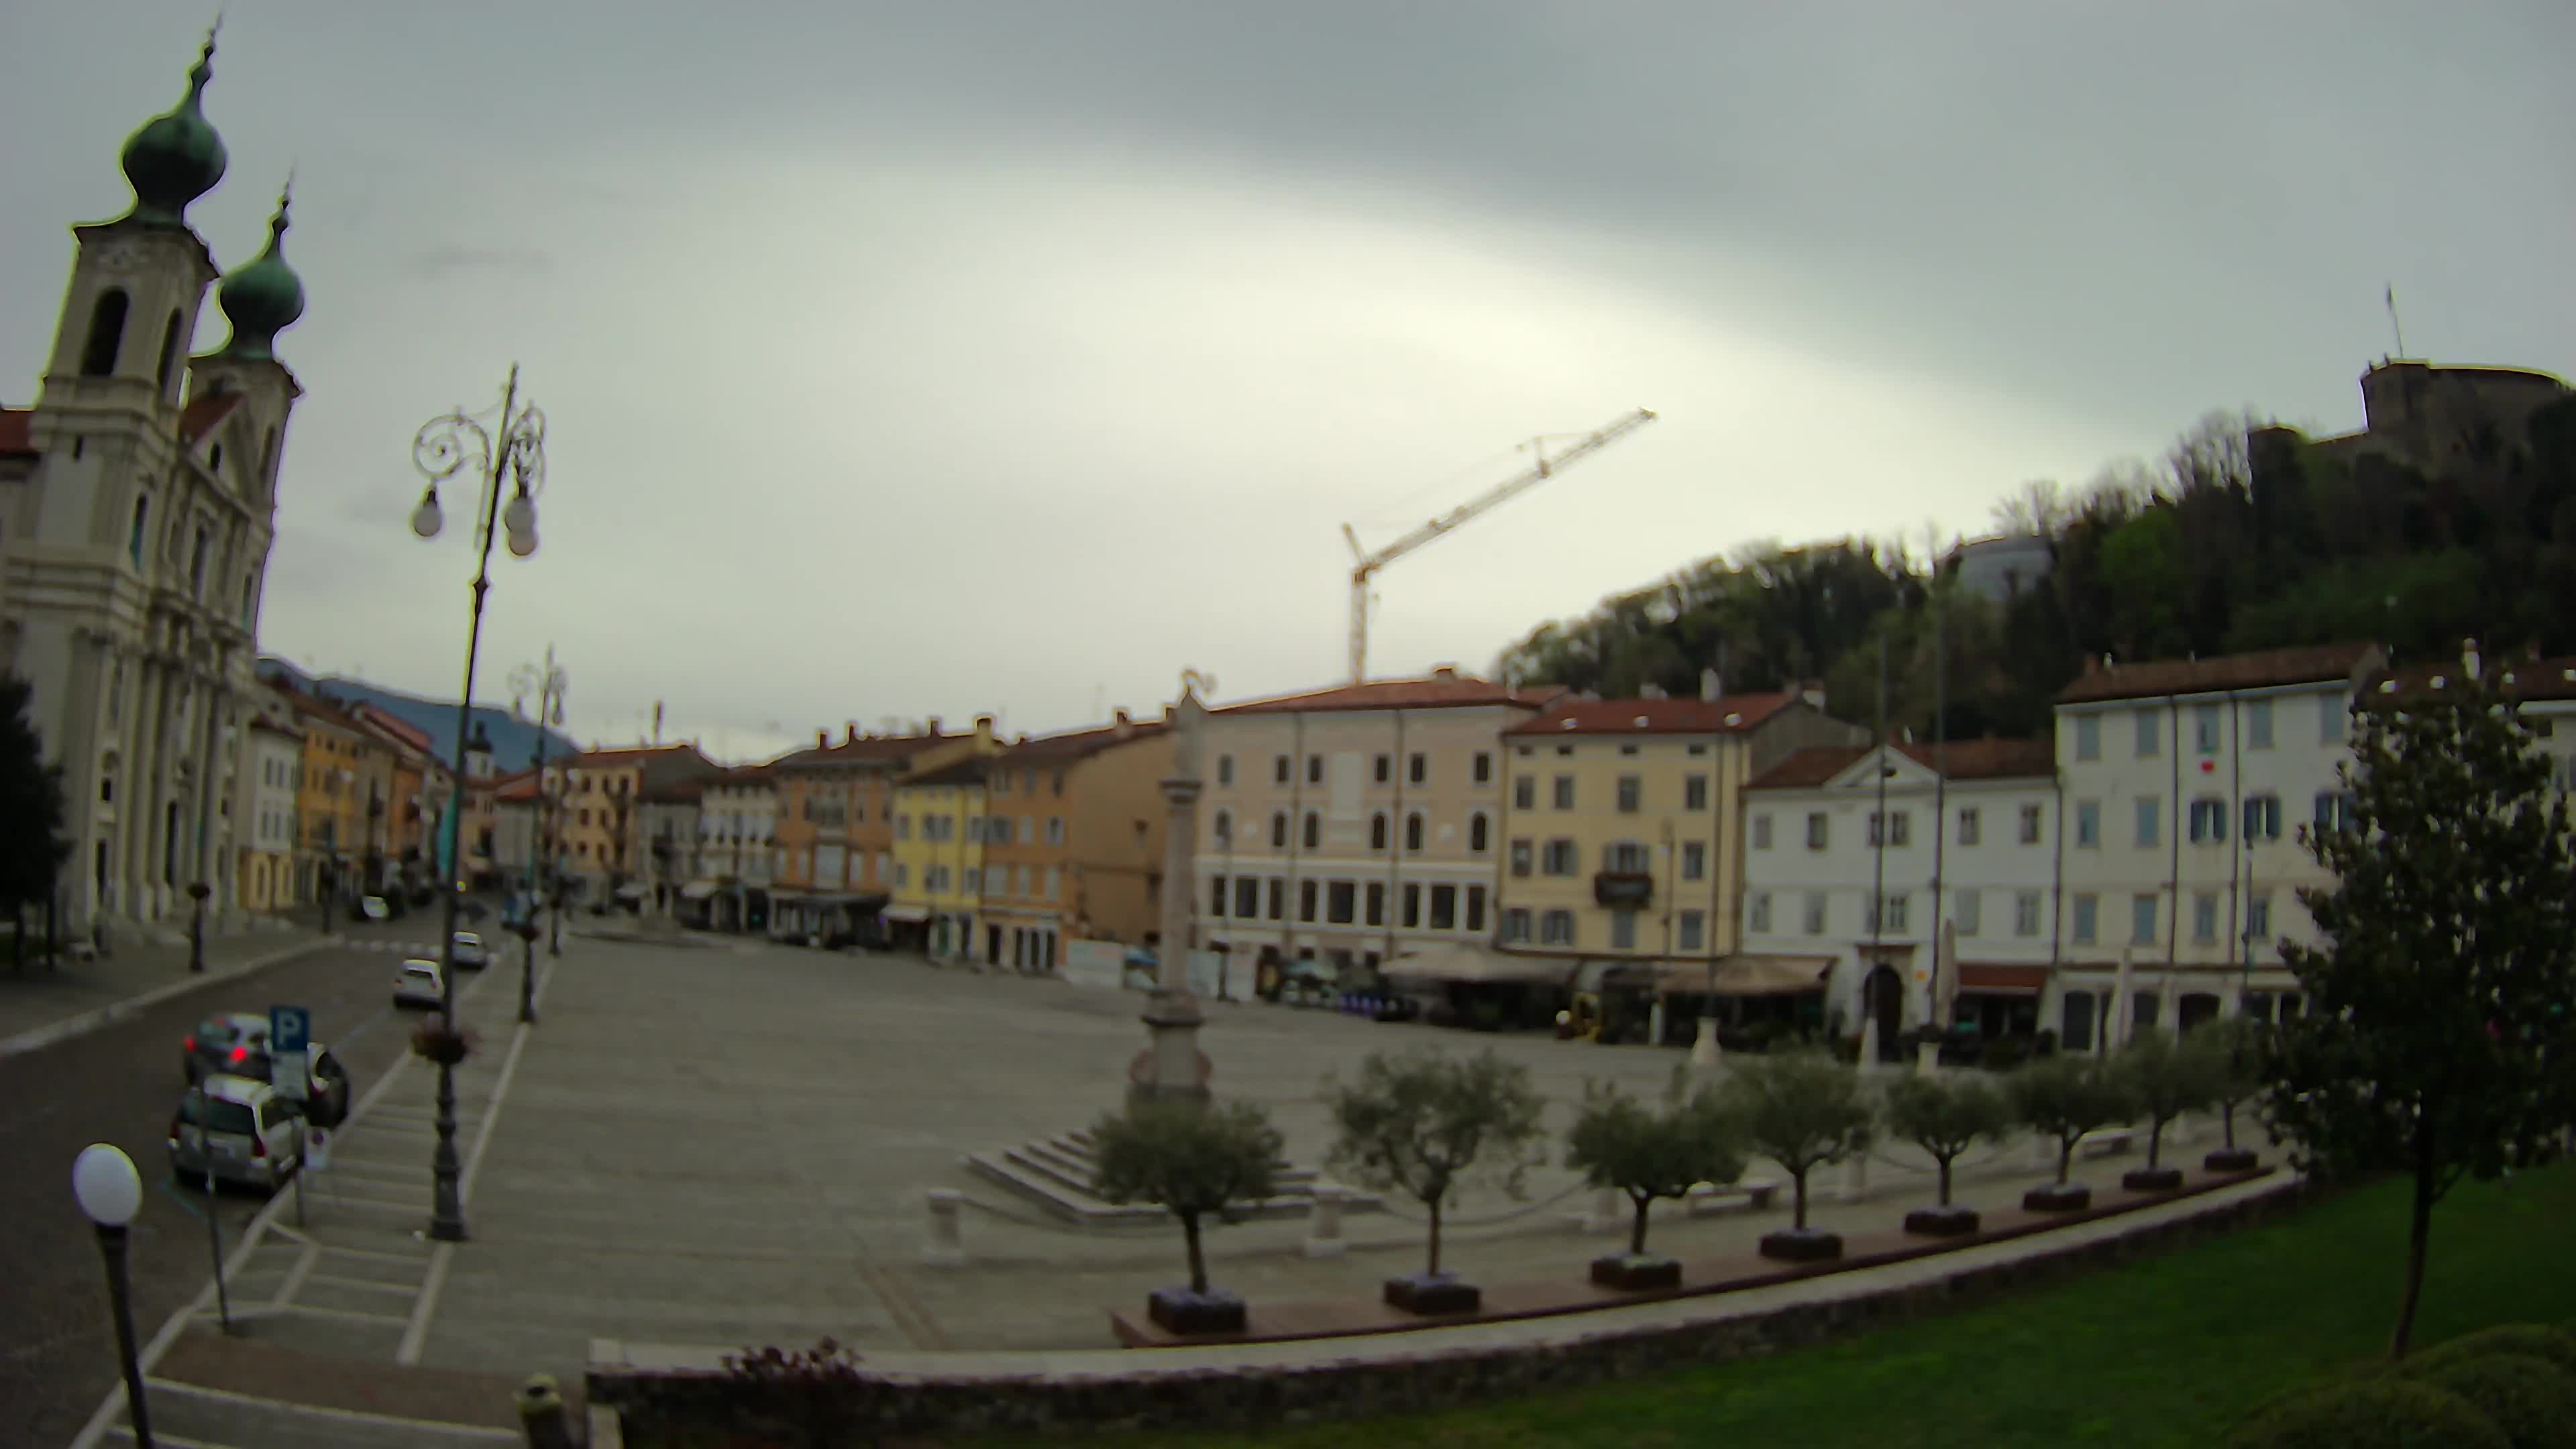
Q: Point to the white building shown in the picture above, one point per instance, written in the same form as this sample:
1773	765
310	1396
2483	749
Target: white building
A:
1969	838
2186	782
137	504
738	844
264	808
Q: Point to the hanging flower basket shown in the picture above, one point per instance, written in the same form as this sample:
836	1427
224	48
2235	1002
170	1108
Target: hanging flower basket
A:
441	1044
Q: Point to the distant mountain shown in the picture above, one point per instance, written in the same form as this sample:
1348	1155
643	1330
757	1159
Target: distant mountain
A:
514	743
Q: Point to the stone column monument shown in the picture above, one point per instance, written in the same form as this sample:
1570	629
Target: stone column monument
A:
1172	1067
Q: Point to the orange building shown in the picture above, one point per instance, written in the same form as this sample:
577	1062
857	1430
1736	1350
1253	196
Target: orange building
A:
1073	842
835	822
602	822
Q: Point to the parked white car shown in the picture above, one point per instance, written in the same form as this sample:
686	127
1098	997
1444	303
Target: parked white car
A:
420	984
470	952
240	1129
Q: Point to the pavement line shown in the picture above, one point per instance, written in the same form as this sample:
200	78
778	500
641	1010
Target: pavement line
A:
111	1404
352	1315
470	1432
116	1011
410	1259
425	1307
336	1281
293	1283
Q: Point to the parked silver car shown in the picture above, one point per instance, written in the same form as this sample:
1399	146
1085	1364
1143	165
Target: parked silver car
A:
471	954
421	983
243	1128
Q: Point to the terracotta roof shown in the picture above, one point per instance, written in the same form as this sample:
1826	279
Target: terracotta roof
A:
1962	759
202	413
968	771
1449	690
2154	678
624	756
865	750
1071	745
2525	678
1655	716
738	775
315	707
17	433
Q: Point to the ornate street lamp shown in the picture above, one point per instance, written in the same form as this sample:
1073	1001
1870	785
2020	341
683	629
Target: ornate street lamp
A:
510	453
110	1193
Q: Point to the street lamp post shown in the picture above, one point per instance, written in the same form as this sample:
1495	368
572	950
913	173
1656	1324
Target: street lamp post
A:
197	892
508	453
548	685
110	1193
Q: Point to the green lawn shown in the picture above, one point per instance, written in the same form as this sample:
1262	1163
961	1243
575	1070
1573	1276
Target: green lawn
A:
2162	1352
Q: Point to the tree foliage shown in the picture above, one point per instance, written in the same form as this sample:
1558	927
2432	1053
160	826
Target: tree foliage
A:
32	844
1190	1160
1651	1152
1946	1115
2164	1078
2438	1039
1422	1123
2233	1053
1801	1109
2240	537
2065	1096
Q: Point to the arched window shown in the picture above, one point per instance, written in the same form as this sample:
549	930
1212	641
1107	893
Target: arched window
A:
1377	831
1314	830
169	363
1225	827
106	334
142	515
1477	832
250	608
215	458
1413	833
1278	830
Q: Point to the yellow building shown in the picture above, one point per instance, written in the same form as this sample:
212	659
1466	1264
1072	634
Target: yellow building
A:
330	798
939	856
1621	825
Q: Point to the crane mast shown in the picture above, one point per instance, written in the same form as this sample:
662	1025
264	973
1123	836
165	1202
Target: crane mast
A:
1365	566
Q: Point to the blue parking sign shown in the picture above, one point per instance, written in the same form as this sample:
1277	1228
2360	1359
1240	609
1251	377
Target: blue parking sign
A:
290	1030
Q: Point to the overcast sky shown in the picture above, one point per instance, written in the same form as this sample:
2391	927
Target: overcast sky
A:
936	359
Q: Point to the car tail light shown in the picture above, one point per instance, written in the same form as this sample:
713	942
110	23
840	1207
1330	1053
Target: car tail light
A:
188	1044
241	1054
258	1146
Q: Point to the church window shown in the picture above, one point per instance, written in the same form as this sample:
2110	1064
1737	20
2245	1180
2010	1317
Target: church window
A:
169	352
215	458
250	598
197	562
106	334
142	515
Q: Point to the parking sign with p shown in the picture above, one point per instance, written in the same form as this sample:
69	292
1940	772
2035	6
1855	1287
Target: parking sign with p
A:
290	1042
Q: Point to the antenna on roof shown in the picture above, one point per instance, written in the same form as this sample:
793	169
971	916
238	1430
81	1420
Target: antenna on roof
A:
2393	324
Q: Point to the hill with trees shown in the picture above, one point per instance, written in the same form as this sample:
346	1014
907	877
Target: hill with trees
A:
2244	535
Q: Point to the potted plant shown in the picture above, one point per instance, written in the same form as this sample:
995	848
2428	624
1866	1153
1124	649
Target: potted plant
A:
2233	1056
1191	1160
1420	1123
1945	1116
2065	1097
437	1040
1803	1110
2163	1079
1649	1153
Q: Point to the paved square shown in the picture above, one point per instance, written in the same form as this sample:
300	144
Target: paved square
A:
730	1147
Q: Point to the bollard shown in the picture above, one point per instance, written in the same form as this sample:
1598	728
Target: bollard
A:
947	1245
1324	1227
1855	1183
541	1414
1609	1210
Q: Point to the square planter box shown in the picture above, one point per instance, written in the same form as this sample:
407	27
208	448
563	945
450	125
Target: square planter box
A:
1433	1293
2070	1197
1954	1221
1178	1310
1640	1273
1810	1245
2232	1159
2152	1179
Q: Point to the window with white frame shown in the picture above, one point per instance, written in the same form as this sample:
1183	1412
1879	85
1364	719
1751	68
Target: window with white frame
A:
2026	907
1556	928
1694	792
2334	810
1632	794
2204	918
1761	832
2150	730
2031	820
1694	860
2088	737
1560	858
1623	930
2332	714
1689	931
2085	921
1564	797
1525	792
2258	918
2088	824
1971	825
1812	916
1515	924
2150	820
1818	832
1757	911
2208	820
1967	909
2258	724
2143	908
1521	857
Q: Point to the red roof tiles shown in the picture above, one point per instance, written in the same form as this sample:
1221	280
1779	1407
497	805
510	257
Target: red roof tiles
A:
2261	669
2525	678
202	413
1963	759
1655	716
1071	745
1446	690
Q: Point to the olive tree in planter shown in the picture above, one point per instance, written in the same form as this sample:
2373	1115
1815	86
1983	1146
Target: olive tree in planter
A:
1191	1160
1946	1115
1620	1142
1421	1123
2065	1097
1803	1110
2164	1079
2232	1051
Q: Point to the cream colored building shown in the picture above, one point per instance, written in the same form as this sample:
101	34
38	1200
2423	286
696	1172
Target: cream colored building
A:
1354	824
264	809
1622	825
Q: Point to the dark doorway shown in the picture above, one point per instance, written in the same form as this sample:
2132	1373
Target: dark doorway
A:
1882	998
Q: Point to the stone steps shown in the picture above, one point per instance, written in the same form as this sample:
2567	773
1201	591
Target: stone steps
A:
188	1414
1055	1173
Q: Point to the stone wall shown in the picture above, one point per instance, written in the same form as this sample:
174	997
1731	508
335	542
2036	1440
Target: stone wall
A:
664	1395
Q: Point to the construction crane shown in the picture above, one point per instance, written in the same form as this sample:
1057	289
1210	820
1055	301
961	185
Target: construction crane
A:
1365	565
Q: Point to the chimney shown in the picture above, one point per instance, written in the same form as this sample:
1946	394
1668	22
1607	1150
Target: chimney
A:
1711	689
930	727
1447	673
850	732
1121	725
822	739
1813	692
983	726
2469	656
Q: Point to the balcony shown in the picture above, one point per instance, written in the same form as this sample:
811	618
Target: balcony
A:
1623	889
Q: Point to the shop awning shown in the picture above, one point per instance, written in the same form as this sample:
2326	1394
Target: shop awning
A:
1466	962
1993	980
906	913
697	890
1749	976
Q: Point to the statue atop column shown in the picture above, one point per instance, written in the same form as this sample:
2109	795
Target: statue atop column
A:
1171	1066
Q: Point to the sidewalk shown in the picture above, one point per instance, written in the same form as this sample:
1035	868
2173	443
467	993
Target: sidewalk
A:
44	1005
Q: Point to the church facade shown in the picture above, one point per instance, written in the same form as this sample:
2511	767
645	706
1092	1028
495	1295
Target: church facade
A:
138	500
